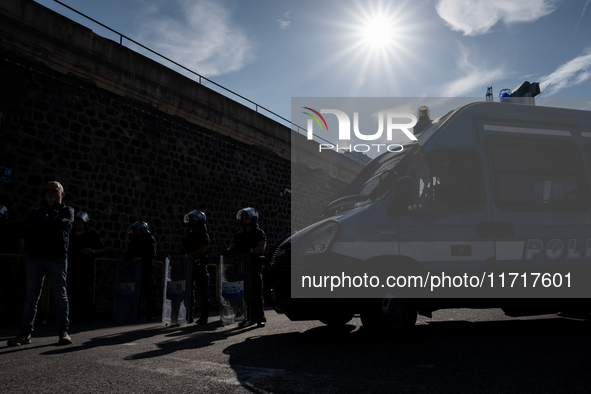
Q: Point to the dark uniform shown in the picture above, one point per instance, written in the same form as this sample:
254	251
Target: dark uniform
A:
191	243
243	242
143	246
81	271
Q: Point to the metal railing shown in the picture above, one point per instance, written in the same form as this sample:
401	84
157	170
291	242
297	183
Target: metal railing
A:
122	36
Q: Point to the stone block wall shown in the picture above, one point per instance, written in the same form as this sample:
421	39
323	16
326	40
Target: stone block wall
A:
148	145
123	161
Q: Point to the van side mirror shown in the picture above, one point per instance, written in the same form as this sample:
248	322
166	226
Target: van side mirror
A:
403	198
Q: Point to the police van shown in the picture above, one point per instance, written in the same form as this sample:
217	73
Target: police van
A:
490	186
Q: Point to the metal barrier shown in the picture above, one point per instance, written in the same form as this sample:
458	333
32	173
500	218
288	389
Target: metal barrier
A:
217	281
159	287
106	260
17	277
44	301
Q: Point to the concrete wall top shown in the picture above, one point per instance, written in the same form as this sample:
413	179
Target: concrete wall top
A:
70	48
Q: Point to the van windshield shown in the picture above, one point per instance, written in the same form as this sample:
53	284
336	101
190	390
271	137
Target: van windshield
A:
381	169
371	183
379	175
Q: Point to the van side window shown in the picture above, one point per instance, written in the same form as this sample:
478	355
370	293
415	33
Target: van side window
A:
537	175
449	178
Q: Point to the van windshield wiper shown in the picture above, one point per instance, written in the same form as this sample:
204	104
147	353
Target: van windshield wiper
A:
344	203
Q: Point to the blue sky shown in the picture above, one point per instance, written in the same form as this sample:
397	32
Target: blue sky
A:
271	51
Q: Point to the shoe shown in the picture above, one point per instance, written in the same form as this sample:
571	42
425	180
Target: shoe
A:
64	338
24	338
245	323
261	324
202	320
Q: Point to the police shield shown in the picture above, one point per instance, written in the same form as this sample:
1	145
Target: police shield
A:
234	288
177	290
127	291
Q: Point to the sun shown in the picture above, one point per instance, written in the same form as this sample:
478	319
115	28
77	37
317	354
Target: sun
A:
378	32
374	43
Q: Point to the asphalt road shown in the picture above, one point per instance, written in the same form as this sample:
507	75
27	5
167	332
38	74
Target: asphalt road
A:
458	351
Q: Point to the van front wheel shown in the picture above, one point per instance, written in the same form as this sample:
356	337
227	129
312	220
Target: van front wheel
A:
397	314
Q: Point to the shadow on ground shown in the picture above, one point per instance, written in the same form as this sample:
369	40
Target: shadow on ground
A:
525	356
532	356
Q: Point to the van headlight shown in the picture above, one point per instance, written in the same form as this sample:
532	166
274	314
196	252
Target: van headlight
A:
318	240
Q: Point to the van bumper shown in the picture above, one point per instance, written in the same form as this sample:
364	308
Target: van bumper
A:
278	274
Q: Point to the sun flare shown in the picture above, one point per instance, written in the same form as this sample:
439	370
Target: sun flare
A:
378	32
376	40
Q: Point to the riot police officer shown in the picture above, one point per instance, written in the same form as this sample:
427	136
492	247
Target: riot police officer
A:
142	246
85	247
195	244
251	240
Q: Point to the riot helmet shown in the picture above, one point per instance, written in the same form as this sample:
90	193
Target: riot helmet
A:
424	112
250	212
195	219
4	211
82	216
142	226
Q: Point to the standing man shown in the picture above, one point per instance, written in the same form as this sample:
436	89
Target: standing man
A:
195	244
47	237
85	247
142	247
252	241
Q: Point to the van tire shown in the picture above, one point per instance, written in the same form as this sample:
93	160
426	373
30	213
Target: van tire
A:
398	314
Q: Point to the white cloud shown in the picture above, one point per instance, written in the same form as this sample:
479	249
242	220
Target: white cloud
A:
473	17
197	34
283	24
473	76
582	14
571	73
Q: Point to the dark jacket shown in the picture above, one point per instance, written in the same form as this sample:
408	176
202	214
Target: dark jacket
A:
47	231
10	234
245	240
193	241
78	261
142	246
